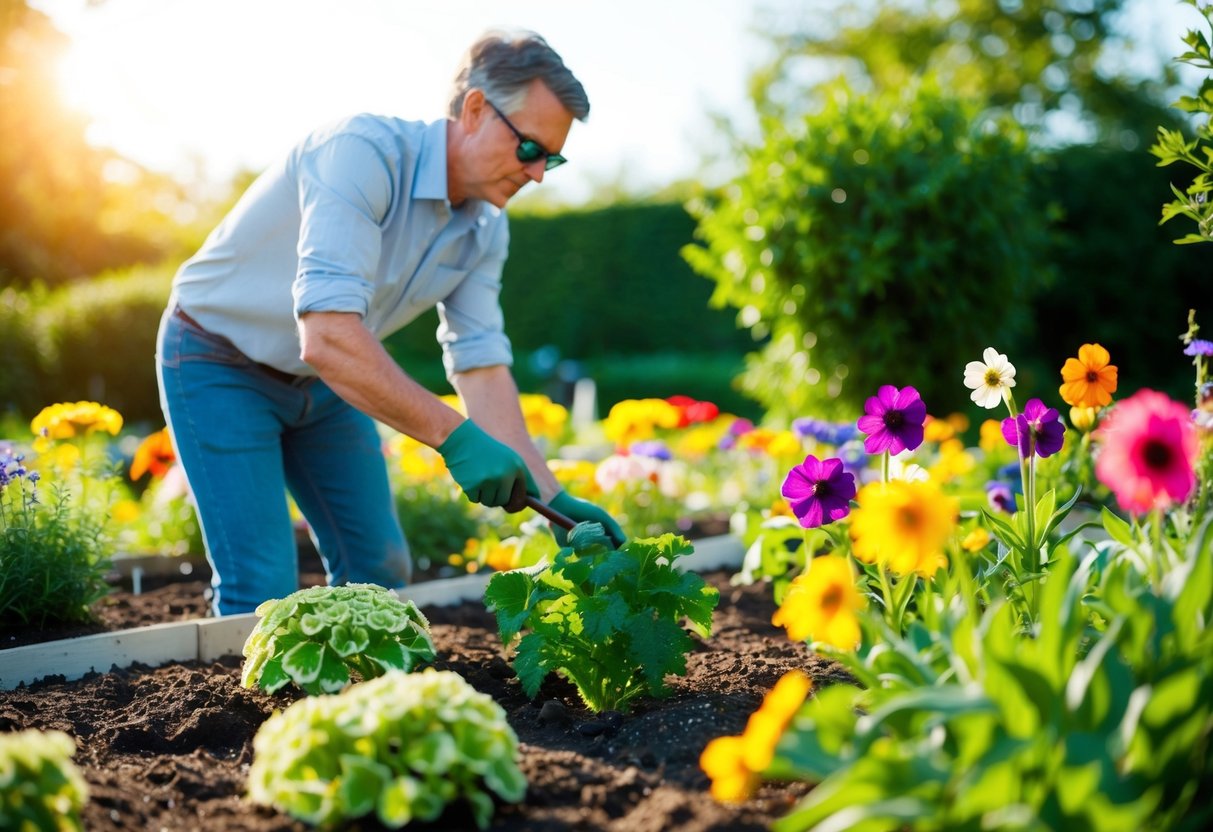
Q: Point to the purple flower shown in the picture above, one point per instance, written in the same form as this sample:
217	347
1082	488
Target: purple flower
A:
819	491
1036	428
823	431
1199	347
894	420
1001	496
654	448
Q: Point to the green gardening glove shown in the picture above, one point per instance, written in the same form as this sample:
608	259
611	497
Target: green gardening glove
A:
489	472
580	511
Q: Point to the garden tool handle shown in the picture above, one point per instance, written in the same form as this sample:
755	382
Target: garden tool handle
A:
549	512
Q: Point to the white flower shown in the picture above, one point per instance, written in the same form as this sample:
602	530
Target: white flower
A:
902	469
988	380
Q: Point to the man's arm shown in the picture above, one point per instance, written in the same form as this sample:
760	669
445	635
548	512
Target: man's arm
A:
353	362
491	397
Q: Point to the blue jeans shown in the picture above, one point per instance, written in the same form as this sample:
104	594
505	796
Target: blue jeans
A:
245	437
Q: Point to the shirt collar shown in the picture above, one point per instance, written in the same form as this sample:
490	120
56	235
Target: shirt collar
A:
429	182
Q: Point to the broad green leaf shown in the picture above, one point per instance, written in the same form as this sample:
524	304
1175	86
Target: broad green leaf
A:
531	662
508	595
616	563
310	623
390	655
348	641
1003	530
601	616
395	805
333	676
302	662
658	646
1117	528
360	783
273	677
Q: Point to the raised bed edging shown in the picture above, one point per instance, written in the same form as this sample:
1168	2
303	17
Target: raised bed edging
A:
207	639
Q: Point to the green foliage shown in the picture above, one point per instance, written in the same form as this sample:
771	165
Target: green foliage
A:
315	637
607	620
402	746
1173	146
436	522
1099	718
53	553
1028	58
40	787
863	229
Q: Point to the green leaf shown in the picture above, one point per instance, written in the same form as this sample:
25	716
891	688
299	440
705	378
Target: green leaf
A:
395	805
302	662
348	641
1003	530
532	662
273	678
1117	528
658	646
390	655
617	562
601	616
509	596
360	782
333	676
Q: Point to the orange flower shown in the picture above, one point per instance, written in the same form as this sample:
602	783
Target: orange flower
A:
724	762
155	454
1089	379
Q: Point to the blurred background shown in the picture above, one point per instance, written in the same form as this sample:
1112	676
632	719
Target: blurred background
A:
775	206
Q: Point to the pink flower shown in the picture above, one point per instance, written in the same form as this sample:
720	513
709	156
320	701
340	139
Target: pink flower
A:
1149	452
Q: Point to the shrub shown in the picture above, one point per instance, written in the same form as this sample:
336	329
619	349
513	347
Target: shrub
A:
875	240
402	746
40	786
316	636
607	620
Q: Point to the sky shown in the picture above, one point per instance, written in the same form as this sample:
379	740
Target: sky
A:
204	88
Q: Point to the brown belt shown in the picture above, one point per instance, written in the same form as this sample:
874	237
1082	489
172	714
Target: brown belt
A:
272	372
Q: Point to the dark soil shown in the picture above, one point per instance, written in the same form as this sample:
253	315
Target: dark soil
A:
170	747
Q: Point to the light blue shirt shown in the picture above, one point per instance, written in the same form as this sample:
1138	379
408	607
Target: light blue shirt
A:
355	219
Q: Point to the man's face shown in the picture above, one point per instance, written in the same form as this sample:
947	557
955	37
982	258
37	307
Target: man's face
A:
494	171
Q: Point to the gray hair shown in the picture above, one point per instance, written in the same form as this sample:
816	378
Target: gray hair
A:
503	65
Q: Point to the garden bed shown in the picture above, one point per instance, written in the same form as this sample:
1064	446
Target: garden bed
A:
169	747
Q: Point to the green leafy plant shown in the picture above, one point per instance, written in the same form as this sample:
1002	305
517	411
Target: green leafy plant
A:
1173	146
315	637
607	620
40	787
402	746
53	552
860	228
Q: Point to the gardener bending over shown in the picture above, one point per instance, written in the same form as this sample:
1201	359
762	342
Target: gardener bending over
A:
270	365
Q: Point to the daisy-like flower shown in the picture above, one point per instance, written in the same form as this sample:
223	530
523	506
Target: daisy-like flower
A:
822	604
1149	452
819	491
989	379
904	525
1037	430
893	420
1089	379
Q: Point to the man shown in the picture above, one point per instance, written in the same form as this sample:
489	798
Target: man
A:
270	363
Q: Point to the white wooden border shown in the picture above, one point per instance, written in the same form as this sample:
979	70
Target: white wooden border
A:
207	639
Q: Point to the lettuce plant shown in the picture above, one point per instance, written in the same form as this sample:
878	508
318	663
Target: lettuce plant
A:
316	636
607	620
402	746
40	786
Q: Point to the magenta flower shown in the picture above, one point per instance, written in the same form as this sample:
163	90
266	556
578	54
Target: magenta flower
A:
893	420
1036	429
1149	452
819	491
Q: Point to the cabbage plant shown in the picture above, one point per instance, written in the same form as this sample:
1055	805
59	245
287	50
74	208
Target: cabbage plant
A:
316	636
402	746
40	786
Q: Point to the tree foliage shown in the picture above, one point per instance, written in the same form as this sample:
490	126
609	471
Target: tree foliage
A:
67	209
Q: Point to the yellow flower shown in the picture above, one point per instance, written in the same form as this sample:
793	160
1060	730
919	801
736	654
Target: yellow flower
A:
758	439
903	525
822	604
576	476
1089	380
767	724
785	445
502	555
958	421
58	457
954	461
991	436
543	416
453	402
976	540
126	511
632	420
734	763
1083	418
71	419
723	761
698	440
418	461
937	430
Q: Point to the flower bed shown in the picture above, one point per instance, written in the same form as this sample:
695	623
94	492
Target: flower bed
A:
170	747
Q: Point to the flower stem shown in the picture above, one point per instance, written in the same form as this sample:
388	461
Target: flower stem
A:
884	467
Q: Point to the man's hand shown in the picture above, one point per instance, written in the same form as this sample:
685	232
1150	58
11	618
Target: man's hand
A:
580	511
489	472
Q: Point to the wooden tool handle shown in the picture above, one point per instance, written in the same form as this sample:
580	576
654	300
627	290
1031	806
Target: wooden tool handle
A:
549	512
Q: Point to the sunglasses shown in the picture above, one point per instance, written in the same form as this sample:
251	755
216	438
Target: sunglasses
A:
529	150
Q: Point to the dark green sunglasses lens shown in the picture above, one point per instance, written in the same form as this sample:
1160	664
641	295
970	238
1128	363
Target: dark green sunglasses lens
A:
529	151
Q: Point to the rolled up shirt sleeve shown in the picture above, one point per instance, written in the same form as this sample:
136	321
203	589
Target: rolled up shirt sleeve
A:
471	327
345	190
